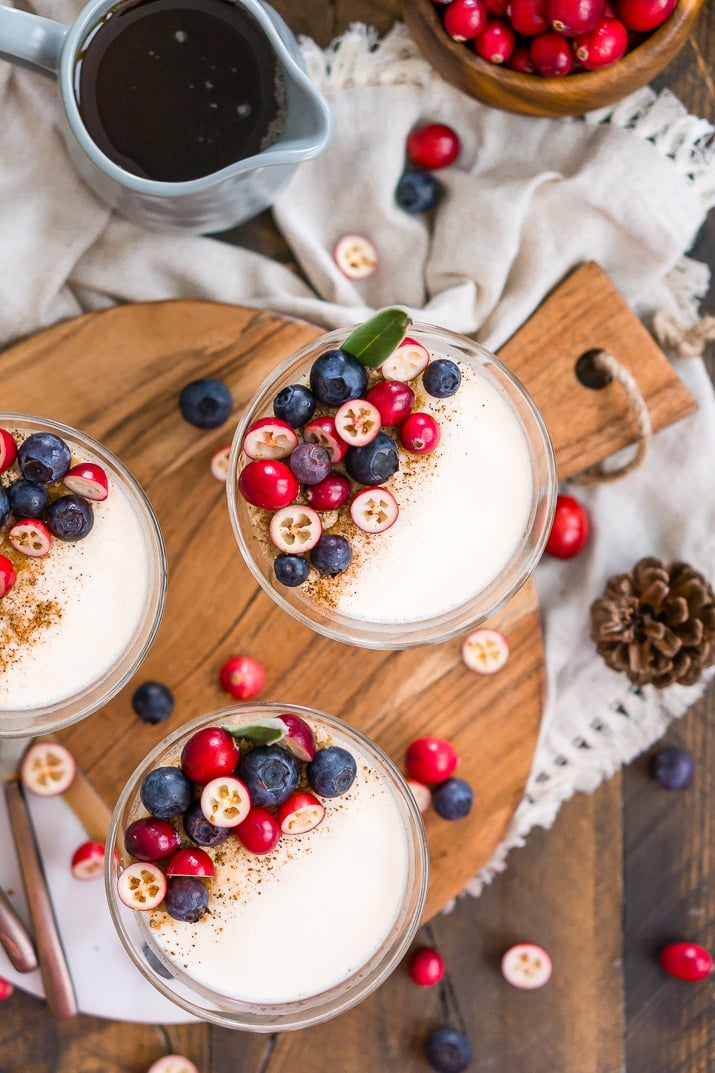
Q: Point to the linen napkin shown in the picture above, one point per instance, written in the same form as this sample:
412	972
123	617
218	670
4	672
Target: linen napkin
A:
527	201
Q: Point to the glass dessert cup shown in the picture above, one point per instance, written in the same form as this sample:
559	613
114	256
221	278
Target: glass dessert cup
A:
314	941
512	548
53	683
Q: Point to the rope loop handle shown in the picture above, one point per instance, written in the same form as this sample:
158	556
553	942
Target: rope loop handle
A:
605	362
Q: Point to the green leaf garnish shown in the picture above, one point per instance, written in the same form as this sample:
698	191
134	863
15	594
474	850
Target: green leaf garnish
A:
372	342
265	731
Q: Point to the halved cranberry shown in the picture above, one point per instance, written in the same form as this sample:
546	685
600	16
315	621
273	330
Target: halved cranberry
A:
47	768
421	793
268	483
8	577
30	537
406	362
485	650
242	677
225	801
190	861
357	422
88	860
219	462
259	832
89	480
355	256
330	493
602	46
374	510
141	886
526	966
269	437
151	839
298	737
393	398
209	752
322	430
295	529
8	450
300	813
419	433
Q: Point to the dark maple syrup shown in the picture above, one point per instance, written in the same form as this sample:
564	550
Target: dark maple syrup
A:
174	90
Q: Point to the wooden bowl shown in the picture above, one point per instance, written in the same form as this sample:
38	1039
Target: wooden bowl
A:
533	95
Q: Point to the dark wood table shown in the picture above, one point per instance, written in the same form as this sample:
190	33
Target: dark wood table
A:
621	873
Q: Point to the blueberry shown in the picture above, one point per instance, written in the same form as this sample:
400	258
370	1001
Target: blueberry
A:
452	799
153	702
291	570
27	500
310	463
202	831
271	774
337	376
673	768
441	378
417	191
332	771
331	555
206	403
44	457
449	1051
166	792
69	517
4	506
186	898
374	462
294	404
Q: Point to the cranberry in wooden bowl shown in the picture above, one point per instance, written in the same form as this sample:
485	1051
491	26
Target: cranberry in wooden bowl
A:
649	52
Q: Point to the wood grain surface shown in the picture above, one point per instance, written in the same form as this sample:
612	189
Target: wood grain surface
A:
619	872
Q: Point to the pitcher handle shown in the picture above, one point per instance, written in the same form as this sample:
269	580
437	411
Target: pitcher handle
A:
31	39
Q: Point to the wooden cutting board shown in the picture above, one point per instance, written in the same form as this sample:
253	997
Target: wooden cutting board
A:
117	374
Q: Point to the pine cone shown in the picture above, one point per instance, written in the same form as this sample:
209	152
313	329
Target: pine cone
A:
656	624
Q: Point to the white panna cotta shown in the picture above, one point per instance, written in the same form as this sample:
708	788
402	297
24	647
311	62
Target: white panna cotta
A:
305	917
73	613
464	510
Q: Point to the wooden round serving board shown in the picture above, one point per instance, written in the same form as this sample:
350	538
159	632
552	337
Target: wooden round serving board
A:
117	375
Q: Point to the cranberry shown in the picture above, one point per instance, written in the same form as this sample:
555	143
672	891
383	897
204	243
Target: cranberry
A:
242	677
8	450
551	54
357	422
419	433
605	44
330	493
571	17
393	399
528	16
259	832
496	7
210	752
520	59
322	430
570	528
432	146
6	989
464	19
526	966
644	15
431	760
268	483
190	861
496	42
426	966
150	839
687	961
8	577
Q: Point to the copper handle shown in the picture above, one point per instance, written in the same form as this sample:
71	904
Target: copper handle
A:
15	937
56	979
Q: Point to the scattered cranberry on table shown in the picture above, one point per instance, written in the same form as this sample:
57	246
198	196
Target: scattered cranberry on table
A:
570	528
686	961
485	651
6	989
355	256
526	966
426	966
242	677
430	759
88	860
433	145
